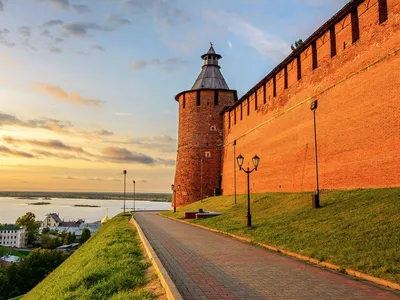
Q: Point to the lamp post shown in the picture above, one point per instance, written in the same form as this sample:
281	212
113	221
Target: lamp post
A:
256	162
315	197
134	195
124	188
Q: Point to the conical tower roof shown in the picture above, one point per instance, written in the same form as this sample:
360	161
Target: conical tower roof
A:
210	76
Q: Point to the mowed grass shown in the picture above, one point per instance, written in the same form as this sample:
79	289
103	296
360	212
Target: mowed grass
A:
20	253
109	265
357	229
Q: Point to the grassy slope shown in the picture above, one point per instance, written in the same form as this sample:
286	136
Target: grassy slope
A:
358	229
109	265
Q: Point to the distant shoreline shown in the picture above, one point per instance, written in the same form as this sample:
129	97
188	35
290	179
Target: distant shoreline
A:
154	197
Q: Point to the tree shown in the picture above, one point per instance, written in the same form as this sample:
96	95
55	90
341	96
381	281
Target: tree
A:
19	278
45	230
85	235
30	224
69	238
297	43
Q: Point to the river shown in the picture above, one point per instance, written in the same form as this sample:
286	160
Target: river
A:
12	208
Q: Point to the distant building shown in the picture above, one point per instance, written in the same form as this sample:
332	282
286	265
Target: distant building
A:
93	227
13	236
54	220
68	248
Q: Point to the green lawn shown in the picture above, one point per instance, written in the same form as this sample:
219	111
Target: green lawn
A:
109	265
4	251
357	229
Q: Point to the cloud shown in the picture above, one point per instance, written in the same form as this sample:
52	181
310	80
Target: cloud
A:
98	47
49	144
73	97
103	179
25	31
46	154
12	152
123	155
81	8
164	12
163	143
53	23
58	4
3	38
55	50
46	123
104	132
82	29
230	44
265	43
166	65
83	53
1	5
117	20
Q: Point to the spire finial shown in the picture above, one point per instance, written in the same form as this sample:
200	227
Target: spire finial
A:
211	44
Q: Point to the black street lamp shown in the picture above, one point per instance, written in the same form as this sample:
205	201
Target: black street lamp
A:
315	197
234	169
256	162
134	195
124	188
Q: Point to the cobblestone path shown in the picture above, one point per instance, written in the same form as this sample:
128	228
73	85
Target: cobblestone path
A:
207	265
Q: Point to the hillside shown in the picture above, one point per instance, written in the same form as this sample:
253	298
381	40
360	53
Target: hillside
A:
357	229
110	265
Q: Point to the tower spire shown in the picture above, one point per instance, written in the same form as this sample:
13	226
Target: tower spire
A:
210	76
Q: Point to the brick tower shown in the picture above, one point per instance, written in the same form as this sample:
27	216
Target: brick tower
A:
198	165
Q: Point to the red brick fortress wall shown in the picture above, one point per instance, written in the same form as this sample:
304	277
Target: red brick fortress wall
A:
198	165
352	66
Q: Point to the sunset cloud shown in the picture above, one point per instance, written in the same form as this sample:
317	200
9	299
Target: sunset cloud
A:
123	155
50	144
58	93
12	152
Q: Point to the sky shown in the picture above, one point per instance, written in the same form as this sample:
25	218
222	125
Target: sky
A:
87	87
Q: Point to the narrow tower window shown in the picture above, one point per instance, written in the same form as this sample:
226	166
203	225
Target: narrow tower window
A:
184	101
383	11
265	93
216	98
198	98
355	28
333	41
274	85
234	116
286	77
241	110
248	107
255	100
298	67
314	55
207	154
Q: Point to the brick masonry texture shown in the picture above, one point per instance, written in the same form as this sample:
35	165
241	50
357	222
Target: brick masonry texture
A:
352	68
358	115
200	131
207	265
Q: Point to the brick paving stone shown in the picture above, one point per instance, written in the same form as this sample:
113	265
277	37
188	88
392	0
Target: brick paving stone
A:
207	265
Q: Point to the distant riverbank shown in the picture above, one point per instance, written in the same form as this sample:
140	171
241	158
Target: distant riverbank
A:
70	209
162	197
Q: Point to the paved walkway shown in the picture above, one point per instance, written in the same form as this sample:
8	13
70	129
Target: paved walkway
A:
207	265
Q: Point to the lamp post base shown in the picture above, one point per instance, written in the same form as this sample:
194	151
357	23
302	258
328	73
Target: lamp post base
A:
248	220
315	201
